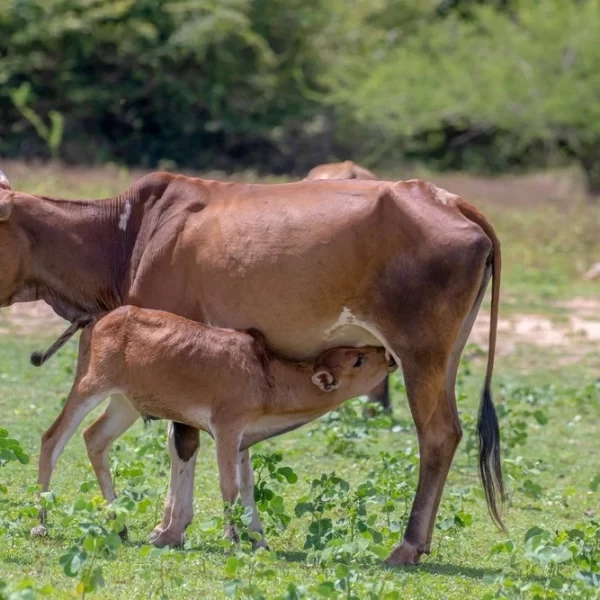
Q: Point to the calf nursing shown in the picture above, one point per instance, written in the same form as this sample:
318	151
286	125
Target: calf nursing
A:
222	381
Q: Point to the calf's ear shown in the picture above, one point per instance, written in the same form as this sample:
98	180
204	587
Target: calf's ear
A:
325	380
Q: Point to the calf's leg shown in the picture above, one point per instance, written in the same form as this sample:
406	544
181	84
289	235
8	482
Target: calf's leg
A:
184	442
246	474
78	405
118	417
227	440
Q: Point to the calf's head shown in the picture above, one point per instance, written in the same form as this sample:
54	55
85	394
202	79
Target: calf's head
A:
354	371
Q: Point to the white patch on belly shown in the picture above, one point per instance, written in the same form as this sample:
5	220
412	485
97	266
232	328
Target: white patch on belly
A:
124	217
346	318
369	335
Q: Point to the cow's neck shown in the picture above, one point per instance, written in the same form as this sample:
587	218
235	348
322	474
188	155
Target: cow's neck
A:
80	253
294	392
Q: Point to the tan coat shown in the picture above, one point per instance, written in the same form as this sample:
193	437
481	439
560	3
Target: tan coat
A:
224	382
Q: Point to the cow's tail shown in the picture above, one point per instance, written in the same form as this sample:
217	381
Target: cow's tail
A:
490	467
39	358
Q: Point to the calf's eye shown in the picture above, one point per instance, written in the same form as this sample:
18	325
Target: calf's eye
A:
359	361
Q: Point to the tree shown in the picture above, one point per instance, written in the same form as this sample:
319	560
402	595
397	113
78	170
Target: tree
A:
531	71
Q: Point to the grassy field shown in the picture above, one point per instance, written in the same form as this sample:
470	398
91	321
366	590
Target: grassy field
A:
547	385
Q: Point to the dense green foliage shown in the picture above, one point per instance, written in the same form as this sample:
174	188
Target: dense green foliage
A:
281	85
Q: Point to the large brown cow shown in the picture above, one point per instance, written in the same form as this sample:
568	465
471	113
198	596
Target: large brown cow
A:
313	265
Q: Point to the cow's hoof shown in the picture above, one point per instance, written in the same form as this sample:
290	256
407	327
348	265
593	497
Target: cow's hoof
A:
155	533
164	537
262	543
39	531
405	554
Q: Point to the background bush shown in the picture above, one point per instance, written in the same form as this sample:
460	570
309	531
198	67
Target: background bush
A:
280	85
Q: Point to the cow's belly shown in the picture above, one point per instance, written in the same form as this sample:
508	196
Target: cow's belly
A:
298	300
303	337
305	284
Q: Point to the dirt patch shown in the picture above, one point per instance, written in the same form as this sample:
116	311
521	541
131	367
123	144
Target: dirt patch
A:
29	318
578	331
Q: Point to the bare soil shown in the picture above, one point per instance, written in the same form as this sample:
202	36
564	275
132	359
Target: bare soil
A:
578	331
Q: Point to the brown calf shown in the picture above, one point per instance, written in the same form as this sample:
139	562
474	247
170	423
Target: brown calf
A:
222	381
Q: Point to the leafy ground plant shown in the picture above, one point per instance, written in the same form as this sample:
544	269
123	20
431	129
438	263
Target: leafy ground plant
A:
10	450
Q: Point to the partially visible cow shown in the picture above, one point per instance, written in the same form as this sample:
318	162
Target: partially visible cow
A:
224	382
313	265
340	170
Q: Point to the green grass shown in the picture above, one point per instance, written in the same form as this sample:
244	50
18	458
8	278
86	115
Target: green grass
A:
544	250
565	450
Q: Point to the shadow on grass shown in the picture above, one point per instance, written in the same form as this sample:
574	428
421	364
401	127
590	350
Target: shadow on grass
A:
292	556
296	556
449	569
452	570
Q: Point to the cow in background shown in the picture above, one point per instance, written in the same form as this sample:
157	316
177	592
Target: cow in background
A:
339	170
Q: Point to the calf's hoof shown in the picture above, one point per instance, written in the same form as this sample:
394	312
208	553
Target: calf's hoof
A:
124	534
405	554
166	538
39	531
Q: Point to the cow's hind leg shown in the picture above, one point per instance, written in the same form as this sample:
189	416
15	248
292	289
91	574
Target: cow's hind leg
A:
380	394
439	433
451	374
430	377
